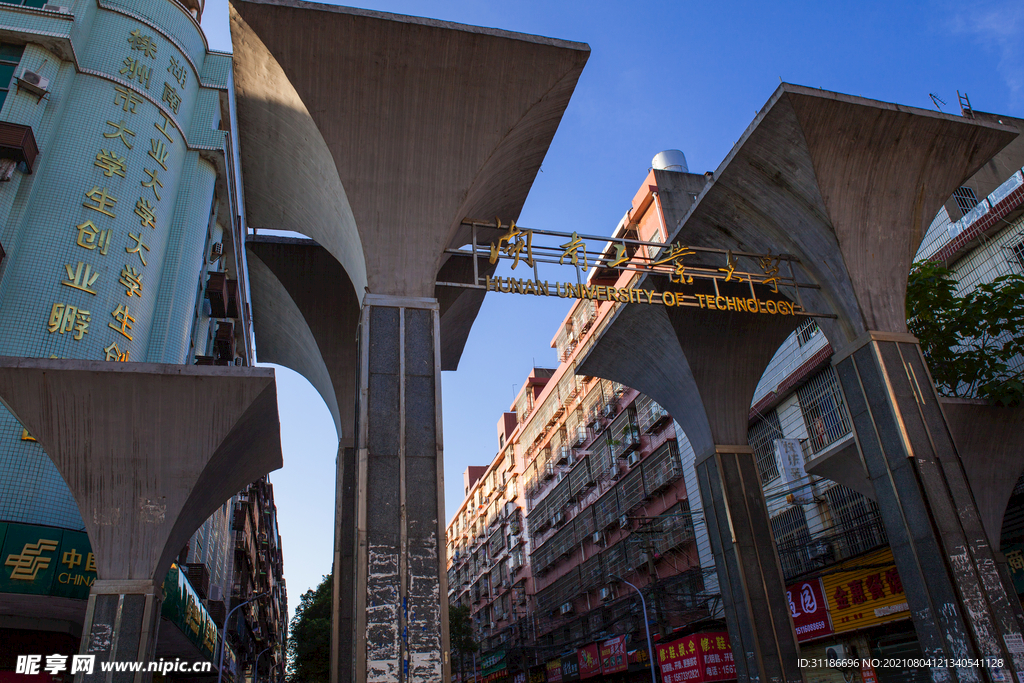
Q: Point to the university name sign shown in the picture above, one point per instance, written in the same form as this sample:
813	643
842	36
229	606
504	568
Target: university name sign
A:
632	295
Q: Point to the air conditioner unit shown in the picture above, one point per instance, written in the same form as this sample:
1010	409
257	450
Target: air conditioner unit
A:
597	537
549	470
607	593
565	609
644	557
624	521
608	411
557	518
613	472
834	653
215	594
493	625
821	550
633	459
33	82
50	7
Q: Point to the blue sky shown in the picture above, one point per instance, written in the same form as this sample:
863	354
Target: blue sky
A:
662	75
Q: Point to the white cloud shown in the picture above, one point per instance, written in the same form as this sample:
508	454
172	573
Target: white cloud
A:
999	26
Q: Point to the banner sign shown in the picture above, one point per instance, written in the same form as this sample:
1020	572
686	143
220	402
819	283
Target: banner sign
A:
554	671
590	661
613	655
809	609
700	658
859	598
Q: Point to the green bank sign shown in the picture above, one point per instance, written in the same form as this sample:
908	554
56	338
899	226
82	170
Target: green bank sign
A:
40	560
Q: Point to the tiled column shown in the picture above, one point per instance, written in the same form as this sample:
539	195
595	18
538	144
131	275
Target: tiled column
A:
121	623
402	617
960	606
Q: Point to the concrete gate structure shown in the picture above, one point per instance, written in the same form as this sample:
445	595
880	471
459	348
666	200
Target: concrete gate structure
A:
848	186
375	135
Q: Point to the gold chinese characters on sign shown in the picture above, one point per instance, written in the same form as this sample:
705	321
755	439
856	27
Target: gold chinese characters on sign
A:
115	158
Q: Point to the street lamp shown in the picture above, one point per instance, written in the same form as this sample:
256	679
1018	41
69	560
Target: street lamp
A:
647	626
256	675
224	632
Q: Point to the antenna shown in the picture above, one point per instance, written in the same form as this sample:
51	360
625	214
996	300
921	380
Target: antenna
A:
965	105
936	100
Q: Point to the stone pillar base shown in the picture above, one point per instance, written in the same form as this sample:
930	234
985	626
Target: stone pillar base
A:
121	622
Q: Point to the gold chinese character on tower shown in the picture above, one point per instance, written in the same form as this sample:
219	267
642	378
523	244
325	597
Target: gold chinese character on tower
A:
120	131
115	354
146	213
770	265
81	277
111	163
90	237
125	321
135	69
178	70
101	201
171	97
730	265
132	280
64	318
126	98
143	43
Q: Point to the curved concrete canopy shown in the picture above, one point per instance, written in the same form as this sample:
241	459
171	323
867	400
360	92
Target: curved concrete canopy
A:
303	278
427	122
283	336
149	451
847	184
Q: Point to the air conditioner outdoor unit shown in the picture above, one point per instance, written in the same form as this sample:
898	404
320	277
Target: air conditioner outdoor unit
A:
624	521
607	593
565	609
557	519
643	558
49	7
597	537
633	459
608	411
836	652
34	83
613	472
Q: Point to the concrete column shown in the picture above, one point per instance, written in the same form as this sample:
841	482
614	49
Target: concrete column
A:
343	603
960	606
402	616
121	623
749	572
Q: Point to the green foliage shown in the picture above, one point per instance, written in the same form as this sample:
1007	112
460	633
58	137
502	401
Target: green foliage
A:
460	635
969	340
309	642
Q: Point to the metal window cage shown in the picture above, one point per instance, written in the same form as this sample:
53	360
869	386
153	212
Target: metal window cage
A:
761	436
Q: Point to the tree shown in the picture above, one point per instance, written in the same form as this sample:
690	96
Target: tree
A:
973	343
309	643
460	635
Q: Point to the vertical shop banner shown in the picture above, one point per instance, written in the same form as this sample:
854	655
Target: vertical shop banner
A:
613	655
1015	563
590	661
570	668
519	677
859	598
554	671
537	674
677	661
716	656
809	609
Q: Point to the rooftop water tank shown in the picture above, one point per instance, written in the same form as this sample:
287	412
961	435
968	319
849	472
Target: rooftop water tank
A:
670	160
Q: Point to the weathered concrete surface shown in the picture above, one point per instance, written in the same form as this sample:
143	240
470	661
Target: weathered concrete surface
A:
149	452
399	127
990	440
805	179
842	463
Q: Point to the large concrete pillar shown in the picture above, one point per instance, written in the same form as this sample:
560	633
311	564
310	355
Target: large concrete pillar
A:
850	187
954	588
149	452
703	367
403	613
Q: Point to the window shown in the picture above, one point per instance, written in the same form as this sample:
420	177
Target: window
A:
27	3
821	403
857	523
10	55
965	199
761	438
806	331
792	540
1018	255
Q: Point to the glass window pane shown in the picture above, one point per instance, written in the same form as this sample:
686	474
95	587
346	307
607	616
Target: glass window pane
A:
11	53
6	74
